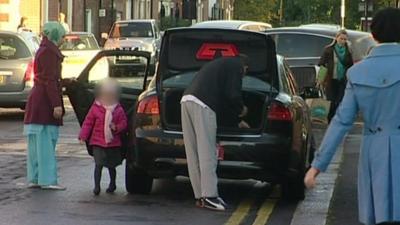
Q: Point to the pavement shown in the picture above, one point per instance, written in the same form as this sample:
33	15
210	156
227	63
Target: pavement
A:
171	201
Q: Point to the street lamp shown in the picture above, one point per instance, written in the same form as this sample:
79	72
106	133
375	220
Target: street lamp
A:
343	12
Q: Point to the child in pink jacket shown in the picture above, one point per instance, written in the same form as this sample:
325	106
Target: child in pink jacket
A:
103	126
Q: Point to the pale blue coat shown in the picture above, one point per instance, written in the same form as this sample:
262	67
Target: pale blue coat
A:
374	90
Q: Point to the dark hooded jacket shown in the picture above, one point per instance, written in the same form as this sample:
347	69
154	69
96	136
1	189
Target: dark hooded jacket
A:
218	84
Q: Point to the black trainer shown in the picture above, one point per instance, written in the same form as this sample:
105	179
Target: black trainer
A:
96	191
214	204
111	188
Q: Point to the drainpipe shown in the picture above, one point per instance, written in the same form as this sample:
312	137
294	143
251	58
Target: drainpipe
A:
85	25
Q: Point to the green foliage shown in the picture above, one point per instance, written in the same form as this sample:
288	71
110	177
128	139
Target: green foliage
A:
257	10
171	22
296	12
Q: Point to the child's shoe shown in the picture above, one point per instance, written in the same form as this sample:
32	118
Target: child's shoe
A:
111	188
96	191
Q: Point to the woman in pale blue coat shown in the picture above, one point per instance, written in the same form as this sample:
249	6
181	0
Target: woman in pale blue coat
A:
374	90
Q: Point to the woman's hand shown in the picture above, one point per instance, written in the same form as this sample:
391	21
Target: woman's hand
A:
310	178
82	142
58	112
244	112
244	125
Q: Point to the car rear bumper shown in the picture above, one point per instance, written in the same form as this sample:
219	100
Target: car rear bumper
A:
14	99
262	157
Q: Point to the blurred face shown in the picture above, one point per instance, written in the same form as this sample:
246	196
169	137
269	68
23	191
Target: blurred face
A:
341	39
108	97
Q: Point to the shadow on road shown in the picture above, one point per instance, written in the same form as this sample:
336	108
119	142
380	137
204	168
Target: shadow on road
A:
13	115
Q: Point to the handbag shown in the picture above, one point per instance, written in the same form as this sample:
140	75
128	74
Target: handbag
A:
323	71
319	109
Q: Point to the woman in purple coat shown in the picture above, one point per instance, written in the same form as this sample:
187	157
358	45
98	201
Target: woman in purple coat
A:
44	110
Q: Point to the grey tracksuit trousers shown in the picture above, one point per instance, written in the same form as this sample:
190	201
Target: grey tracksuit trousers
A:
199	126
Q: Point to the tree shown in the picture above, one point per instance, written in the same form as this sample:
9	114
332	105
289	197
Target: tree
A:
257	10
296	12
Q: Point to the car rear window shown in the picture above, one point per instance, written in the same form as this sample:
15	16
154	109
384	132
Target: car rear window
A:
183	48
12	47
136	29
300	45
79	42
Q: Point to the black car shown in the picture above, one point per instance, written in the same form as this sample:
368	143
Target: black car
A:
276	149
303	46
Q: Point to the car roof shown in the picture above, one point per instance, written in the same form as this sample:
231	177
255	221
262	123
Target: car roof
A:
317	30
79	33
137	21
227	24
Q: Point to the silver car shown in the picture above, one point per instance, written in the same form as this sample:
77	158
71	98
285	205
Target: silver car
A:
17	51
142	35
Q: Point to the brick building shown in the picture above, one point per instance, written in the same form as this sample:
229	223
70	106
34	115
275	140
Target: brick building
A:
97	16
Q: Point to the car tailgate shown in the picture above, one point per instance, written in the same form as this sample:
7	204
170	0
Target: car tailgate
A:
181	50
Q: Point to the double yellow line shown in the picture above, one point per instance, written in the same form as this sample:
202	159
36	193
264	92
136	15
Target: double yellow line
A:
263	213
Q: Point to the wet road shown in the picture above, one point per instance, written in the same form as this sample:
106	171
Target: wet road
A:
251	202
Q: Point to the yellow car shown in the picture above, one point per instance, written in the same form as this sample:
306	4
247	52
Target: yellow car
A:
78	48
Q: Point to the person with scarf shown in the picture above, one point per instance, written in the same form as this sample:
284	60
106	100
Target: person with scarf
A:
103	127
337	59
44	110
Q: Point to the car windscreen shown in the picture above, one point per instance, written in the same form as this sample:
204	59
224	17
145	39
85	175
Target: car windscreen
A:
249	83
79	42
300	45
12	47
136	29
190	49
128	70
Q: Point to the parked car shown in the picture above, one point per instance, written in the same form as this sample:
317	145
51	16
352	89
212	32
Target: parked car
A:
276	148
303	46
17	51
234	25
78	48
143	35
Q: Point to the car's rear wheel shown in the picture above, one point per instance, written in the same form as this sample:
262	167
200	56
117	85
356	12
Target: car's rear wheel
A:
137	181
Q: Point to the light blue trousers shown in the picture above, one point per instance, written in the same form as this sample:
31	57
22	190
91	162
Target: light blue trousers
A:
41	157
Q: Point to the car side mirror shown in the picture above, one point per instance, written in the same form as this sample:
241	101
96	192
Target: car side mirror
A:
104	36
310	92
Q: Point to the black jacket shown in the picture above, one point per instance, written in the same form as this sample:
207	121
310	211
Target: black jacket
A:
218	84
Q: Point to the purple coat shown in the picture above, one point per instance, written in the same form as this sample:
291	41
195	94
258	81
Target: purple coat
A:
93	126
46	93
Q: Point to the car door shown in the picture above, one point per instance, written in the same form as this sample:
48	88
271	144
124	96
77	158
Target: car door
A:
302	125
129	68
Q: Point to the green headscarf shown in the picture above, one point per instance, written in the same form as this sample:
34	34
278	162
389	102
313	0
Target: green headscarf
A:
54	31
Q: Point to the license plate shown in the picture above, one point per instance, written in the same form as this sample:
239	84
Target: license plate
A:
75	61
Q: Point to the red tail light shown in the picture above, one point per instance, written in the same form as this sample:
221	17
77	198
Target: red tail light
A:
278	112
149	105
208	51
30	73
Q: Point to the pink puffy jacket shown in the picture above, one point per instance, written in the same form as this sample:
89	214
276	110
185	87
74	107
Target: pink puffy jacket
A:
93	126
